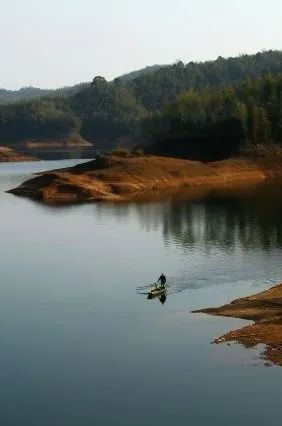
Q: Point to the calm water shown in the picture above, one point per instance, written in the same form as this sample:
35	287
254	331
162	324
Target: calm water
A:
81	346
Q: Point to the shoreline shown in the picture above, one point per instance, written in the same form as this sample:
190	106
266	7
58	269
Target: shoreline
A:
9	155
119	179
264	309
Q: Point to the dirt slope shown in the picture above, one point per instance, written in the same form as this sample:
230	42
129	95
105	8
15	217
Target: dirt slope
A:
265	309
122	179
10	155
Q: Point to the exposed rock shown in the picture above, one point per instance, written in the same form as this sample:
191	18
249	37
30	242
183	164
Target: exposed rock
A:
265	309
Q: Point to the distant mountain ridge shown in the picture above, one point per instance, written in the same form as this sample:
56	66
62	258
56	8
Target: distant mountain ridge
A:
176	77
30	92
139	73
201	100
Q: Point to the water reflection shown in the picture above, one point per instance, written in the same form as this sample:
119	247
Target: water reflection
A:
72	323
162	298
249	218
227	220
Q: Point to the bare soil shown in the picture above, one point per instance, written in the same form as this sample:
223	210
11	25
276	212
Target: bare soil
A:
116	179
265	310
10	155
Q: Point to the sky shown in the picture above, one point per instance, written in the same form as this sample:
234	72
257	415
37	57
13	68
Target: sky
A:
57	43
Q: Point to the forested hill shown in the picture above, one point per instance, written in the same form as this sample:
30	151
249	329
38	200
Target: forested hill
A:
25	93
215	123
29	93
140	73
149	82
107	113
163	85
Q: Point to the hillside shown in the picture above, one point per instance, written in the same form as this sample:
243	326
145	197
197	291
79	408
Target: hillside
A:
30	93
125	78
224	104
217	123
155	89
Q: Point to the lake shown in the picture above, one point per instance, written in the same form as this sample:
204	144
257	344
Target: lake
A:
81	344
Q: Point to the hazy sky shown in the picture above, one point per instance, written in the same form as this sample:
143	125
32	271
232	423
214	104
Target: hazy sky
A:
52	43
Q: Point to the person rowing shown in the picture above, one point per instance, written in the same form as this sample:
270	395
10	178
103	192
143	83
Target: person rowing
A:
162	279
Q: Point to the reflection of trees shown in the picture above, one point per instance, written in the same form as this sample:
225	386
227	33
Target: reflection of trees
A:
250	218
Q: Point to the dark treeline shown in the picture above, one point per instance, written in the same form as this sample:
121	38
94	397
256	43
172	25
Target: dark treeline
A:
215	123
38	119
31	93
202	110
162	86
101	111
107	111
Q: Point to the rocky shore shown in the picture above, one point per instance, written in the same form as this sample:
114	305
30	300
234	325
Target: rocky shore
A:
112	178
10	155
265	311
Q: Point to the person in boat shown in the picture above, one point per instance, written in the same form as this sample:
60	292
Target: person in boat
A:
162	279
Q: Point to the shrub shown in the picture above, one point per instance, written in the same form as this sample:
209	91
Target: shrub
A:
138	152
121	152
270	150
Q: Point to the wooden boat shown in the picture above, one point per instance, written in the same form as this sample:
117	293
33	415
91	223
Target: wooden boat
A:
155	292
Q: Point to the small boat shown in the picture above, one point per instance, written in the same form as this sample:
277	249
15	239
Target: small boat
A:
155	292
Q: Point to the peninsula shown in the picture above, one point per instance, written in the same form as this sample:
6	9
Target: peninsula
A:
115	179
265	310
11	155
